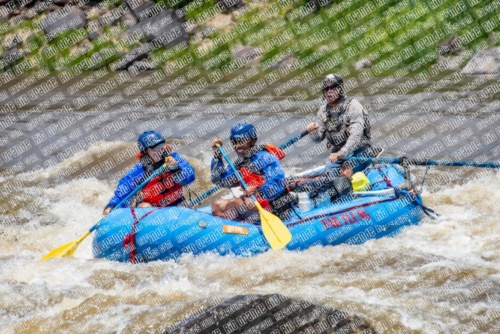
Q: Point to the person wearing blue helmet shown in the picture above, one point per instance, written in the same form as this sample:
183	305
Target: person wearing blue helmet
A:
163	190
260	168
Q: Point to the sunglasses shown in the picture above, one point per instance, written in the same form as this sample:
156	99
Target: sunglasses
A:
158	147
326	89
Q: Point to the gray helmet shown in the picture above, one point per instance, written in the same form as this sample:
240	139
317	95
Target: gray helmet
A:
332	79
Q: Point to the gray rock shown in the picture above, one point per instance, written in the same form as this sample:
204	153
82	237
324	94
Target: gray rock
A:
450	46
484	62
231	4
143	65
57	22
206	32
52	8
272	314
28	14
449	63
62	3
15	12
91	3
12	55
11	41
128	20
246	52
157	23
137	54
139	7
108	18
15	20
95	34
285	62
362	63
103	11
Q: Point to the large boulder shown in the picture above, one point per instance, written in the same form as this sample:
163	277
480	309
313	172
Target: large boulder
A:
59	21
158	24
484	62
272	314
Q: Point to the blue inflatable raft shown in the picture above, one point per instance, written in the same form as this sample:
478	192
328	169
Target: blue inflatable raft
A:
149	234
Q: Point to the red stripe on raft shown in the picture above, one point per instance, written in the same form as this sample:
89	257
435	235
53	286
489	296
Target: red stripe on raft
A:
337	212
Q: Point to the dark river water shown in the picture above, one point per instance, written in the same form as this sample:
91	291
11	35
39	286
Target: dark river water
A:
60	165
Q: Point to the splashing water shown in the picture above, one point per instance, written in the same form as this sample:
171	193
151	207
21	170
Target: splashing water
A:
441	276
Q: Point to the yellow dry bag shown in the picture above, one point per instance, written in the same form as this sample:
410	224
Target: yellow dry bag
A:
360	182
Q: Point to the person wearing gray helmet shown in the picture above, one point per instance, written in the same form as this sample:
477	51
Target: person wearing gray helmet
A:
345	125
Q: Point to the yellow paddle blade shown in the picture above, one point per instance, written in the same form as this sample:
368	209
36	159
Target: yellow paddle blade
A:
65	250
276	233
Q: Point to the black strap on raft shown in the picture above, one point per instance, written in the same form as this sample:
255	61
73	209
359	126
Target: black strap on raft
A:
295	211
405	163
429	212
427	167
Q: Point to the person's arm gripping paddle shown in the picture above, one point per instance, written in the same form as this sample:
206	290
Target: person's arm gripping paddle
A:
70	248
276	233
215	177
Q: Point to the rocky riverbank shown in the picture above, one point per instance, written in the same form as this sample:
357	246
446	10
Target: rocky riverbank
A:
74	36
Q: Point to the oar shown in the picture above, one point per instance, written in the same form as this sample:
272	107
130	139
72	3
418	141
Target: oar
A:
70	248
423	162
216	188
276	233
293	140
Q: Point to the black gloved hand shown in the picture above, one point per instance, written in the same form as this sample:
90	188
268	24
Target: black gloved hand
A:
217	154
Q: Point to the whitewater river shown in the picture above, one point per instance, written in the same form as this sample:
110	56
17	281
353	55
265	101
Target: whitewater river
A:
442	276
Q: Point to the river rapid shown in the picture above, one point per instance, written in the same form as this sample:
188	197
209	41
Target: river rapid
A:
442	276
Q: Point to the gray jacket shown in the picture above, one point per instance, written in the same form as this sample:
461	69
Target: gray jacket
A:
346	127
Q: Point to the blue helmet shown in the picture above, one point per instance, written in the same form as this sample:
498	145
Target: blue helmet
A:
149	139
243	130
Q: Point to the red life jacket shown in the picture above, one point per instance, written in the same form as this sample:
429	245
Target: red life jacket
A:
253	176
161	190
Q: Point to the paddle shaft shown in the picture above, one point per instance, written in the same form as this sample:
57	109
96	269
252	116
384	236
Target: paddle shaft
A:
216	188
129	196
293	140
418	162
275	232
233	167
